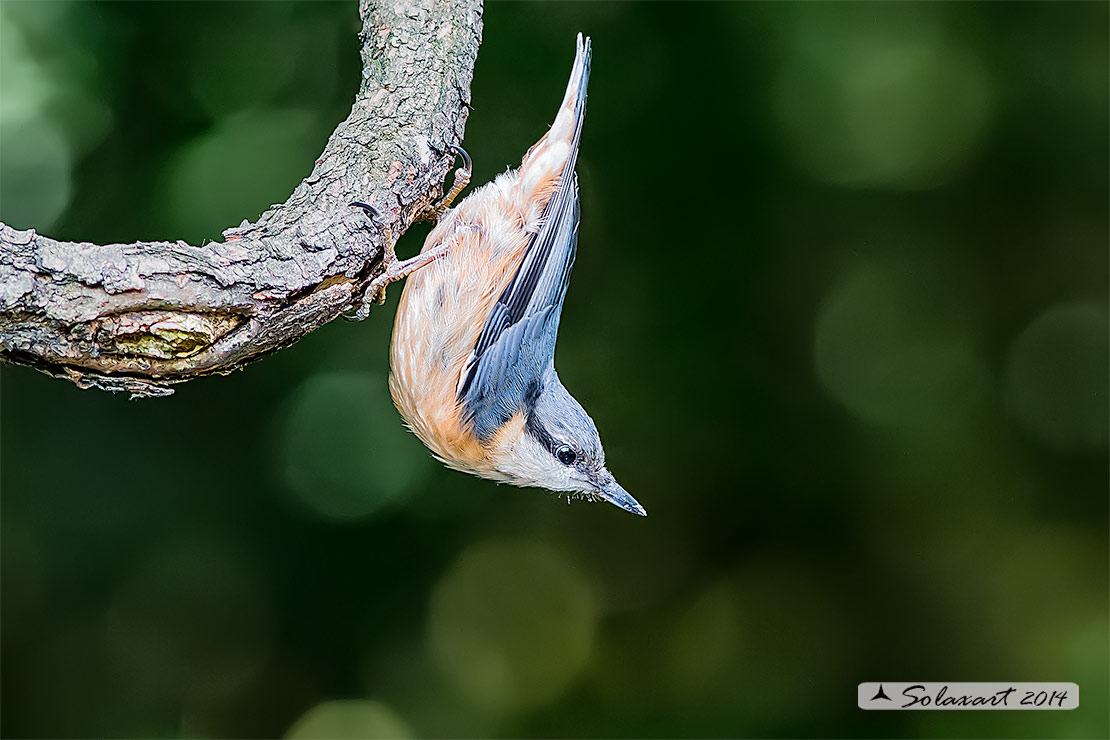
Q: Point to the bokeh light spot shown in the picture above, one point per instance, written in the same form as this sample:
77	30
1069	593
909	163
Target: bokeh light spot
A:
1055	381
891	105
349	719
891	347
26	86
35	179
511	625
343	453
48	118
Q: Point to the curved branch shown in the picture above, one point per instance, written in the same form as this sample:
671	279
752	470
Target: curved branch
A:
140	317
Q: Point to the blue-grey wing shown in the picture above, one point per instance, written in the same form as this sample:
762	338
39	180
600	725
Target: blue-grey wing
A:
517	343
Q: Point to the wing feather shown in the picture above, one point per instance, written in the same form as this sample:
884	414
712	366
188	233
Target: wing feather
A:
517	342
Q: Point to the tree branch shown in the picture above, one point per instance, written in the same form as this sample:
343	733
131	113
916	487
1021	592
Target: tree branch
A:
140	317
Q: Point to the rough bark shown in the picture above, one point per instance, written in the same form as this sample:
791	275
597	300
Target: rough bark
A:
140	317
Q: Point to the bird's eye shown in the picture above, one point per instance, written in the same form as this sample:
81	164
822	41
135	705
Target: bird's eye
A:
565	455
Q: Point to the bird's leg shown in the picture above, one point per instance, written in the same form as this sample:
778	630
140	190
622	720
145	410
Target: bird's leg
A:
393	268
462	179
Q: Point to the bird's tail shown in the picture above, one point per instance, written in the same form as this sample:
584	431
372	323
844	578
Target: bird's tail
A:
557	151
568	122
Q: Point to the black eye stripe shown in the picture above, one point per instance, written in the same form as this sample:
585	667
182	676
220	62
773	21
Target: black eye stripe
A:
563	452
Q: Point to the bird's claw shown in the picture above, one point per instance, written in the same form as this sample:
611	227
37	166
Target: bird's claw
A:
393	269
371	211
375	291
462	179
468	164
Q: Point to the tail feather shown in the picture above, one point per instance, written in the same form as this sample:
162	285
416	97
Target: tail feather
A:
557	151
572	113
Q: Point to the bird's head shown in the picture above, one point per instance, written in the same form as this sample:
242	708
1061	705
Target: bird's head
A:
557	447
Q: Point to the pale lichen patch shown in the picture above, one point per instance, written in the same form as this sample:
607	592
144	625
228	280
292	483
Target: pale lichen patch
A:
162	334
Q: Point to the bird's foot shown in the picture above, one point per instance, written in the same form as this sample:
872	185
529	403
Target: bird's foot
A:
393	269
462	179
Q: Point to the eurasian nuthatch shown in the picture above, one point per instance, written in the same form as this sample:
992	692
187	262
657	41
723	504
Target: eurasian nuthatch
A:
474	340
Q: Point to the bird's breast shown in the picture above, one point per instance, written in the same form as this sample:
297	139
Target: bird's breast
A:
441	313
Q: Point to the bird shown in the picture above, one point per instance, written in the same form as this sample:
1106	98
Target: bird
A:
472	357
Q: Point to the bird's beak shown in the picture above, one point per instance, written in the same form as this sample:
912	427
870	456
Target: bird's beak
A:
609	490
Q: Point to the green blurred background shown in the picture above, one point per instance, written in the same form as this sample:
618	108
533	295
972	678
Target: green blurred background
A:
840	313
